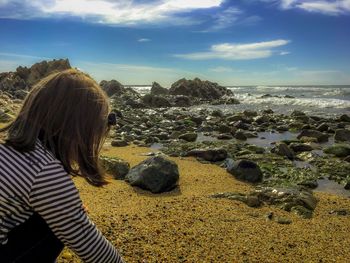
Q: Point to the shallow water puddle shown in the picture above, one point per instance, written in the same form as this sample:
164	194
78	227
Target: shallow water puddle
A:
331	187
265	139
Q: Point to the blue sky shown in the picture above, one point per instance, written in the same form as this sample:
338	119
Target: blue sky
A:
241	42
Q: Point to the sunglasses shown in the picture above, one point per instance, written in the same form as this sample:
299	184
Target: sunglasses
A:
112	119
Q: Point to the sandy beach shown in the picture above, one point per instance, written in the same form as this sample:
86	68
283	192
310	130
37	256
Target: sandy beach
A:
186	225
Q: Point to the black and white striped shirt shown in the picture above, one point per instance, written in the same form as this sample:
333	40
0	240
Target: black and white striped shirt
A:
36	181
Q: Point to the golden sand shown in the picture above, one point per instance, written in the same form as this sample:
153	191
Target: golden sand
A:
185	225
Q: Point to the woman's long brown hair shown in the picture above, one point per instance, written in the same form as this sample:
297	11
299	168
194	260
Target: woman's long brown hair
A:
68	112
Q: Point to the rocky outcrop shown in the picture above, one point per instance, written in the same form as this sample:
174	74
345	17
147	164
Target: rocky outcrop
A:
9	107
112	87
155	174
155	101
157	89
197	88
24	78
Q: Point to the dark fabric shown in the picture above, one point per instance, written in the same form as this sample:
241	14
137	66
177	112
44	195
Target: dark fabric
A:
31	242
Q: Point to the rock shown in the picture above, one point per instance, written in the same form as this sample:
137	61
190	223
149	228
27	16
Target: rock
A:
283	220
306	139
5	117
249	200
199	89
300	147
155	174
20	94
18	82
296	113
345	118
189	137
225	136
119	143
342	135
321	137
340	212
239	135
287	198
224	128
157	89
302	211
299	201
211	155
283	150
262	119
217	113
248	113
155	101
339	150
246	170
181	101
289	97
115	166
347	159
44	68
347	186
225	100
112	87
312	184
322	127
241	125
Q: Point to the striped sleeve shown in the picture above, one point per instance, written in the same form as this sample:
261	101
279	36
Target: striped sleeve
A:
55	197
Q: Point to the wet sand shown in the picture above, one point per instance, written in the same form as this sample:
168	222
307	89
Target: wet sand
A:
185	225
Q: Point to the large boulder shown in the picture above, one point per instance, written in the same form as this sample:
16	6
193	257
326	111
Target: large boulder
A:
155	174
115	166
112	87
319	136
246	170
199	89
211	155
157	89
155	101
342	135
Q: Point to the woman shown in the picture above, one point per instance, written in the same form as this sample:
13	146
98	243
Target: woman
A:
59	132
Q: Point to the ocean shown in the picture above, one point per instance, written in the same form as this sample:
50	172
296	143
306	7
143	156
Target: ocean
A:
314	100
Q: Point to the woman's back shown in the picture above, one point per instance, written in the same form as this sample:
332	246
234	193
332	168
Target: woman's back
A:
17	175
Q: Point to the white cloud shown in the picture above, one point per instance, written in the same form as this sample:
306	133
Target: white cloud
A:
143	40
328	7
283	53
229	17
221	69
122	12
233	51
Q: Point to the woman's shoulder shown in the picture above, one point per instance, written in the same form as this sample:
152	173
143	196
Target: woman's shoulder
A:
36	158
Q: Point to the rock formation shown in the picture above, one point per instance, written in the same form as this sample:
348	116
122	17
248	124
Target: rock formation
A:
19	82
